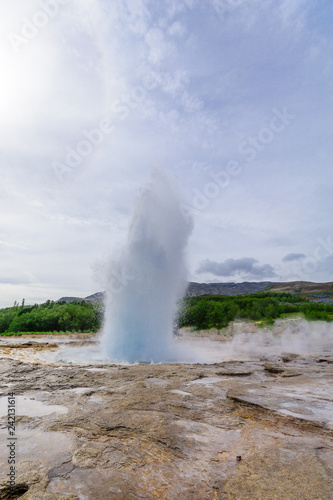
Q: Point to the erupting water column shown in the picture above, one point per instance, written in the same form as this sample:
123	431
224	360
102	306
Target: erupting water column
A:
147	278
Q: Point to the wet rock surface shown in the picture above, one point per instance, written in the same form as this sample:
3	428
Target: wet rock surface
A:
259	429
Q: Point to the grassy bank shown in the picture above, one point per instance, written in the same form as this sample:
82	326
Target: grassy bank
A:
19	334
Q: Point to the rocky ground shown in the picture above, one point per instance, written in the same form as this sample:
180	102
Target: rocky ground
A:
258	428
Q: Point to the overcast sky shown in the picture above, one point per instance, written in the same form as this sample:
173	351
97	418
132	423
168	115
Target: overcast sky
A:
234	97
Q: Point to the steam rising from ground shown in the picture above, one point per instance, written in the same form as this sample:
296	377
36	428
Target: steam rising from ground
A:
242	342
246	343
252	343
146	279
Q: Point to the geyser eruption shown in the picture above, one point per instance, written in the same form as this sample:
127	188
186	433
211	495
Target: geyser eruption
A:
147	278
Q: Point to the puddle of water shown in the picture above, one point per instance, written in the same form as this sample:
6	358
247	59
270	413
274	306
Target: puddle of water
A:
30	407
78	355
47	447
90	483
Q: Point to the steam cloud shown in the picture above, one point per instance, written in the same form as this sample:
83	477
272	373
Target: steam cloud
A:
147	278
250	343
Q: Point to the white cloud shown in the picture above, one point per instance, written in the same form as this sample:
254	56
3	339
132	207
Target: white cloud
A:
246	267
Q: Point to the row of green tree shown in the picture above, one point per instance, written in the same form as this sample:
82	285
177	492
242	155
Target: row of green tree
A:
203	312
51	317
216	311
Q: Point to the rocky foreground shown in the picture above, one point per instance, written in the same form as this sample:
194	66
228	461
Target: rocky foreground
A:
248	429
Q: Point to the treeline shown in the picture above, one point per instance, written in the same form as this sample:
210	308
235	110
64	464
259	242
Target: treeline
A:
216	311
51	317
202	312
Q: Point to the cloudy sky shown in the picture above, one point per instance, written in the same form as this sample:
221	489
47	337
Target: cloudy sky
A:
231	97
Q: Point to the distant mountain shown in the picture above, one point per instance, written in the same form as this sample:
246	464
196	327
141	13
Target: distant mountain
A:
70	299
306	288
303	287
195	289
95	298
